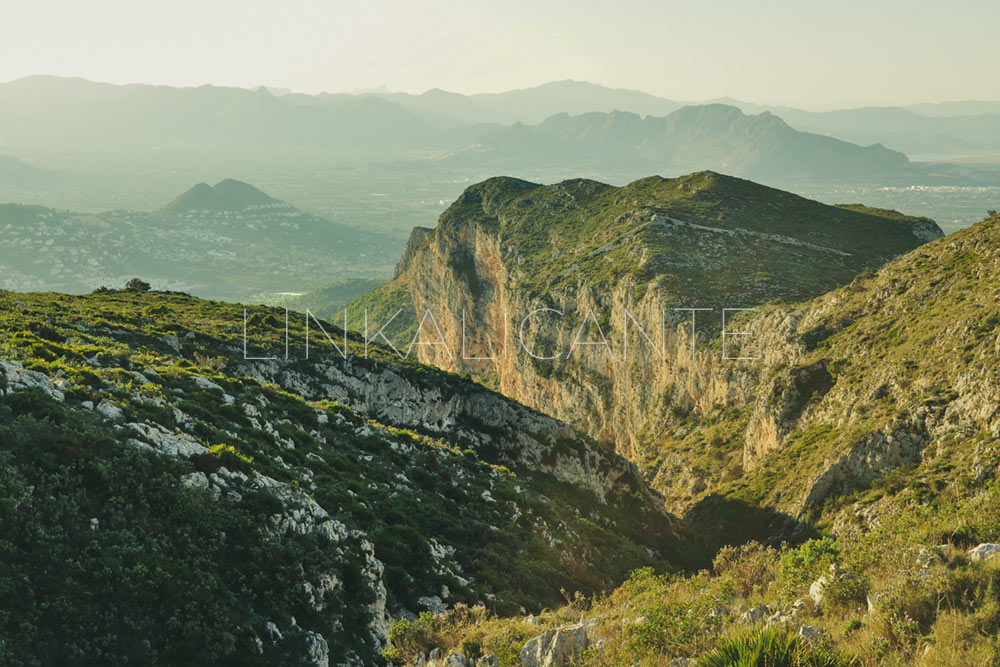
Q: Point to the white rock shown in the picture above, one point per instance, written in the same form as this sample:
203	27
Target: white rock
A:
172	444
110	410
560	646
172	342
317	650
755	615
432	604
273	632
205	383
195	480
781	619
983	552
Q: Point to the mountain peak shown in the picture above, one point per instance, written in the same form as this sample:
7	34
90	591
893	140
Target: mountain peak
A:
226	195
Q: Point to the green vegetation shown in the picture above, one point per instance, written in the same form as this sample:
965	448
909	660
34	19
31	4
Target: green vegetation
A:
163	498
771	647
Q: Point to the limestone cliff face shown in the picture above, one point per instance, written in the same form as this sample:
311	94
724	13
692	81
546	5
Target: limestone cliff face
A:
530	279
615	395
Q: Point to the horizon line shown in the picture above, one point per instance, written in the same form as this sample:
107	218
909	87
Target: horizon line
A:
383	90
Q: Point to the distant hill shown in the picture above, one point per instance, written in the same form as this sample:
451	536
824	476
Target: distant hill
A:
327	301
956	108
228	241
227	195
19	174
714	136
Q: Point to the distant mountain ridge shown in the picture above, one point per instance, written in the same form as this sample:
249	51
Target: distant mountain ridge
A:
964	127
559	122
713	136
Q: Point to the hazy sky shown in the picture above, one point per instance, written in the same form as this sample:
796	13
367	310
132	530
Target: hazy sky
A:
842	53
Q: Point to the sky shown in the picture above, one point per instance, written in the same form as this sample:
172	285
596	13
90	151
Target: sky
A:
805	54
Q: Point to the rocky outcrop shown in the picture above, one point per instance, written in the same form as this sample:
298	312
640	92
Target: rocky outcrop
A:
984	552
556	647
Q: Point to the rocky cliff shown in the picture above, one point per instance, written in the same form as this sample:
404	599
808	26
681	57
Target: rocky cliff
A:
897	371
575	293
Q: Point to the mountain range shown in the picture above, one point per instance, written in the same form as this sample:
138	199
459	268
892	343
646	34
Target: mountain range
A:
691	138
50	116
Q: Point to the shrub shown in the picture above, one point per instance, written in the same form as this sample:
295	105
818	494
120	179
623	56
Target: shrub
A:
773	648
137	285
845	593
802	565
672	628
749	566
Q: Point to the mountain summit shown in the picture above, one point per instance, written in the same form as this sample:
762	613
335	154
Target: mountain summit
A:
226	195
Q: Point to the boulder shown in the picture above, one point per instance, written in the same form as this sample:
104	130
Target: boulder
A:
433	604
810	633
556	647
781	619
718	611
317	650
926	556
755	615
110	410
983	552
835	574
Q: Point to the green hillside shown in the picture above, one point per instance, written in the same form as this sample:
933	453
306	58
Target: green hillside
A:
168	502
864	532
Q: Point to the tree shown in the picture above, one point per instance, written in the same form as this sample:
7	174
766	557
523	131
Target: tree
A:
137	285
992	213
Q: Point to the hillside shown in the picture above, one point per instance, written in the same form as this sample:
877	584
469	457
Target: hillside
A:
194	506
225	241
859	455
712	136
507	247
896	372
